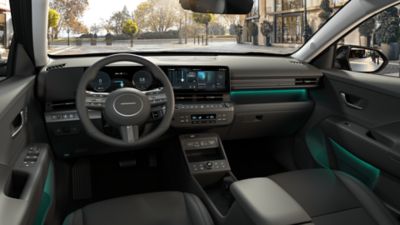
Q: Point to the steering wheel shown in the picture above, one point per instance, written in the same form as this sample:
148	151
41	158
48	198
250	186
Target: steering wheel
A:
126	108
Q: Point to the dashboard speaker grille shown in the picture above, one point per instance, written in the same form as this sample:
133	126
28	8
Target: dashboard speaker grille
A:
55	67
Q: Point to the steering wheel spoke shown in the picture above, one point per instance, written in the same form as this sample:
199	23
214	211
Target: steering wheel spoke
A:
157	99
156	96
95	100
130	133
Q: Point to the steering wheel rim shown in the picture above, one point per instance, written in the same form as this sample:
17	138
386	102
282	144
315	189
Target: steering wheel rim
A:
91	73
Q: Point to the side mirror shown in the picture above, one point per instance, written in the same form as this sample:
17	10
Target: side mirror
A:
360	59
218	6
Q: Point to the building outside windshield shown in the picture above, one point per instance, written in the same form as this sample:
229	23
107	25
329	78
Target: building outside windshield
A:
95	26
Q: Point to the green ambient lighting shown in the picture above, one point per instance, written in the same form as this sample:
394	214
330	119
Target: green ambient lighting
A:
347	162
302	92
270	95
46	199
315	141
355	166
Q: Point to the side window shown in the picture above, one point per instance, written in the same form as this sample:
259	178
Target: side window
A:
6	33
373	47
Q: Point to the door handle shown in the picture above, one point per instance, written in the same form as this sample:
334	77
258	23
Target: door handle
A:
345	98
18	123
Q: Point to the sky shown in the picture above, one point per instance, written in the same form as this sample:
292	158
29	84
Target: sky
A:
99	10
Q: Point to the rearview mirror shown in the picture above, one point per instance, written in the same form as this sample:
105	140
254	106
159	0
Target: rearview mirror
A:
360	59
218	6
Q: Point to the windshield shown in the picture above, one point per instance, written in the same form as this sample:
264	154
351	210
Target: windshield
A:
100	26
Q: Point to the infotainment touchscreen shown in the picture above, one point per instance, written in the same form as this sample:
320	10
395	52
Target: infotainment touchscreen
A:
209	79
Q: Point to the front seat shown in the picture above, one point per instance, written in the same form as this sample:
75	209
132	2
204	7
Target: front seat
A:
317	196
333	197
162	208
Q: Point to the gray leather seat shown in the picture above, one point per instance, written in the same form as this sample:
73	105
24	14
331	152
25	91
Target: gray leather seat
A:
333	197
162	208
319	197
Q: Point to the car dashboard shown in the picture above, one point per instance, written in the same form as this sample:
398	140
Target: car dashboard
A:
234	96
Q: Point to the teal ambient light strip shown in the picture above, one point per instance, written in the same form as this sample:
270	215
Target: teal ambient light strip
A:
316	143
46	199
270	95
355	166
302	92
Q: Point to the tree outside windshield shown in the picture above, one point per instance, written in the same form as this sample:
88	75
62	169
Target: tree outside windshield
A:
96	26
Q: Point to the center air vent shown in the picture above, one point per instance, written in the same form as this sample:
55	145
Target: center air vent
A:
198	97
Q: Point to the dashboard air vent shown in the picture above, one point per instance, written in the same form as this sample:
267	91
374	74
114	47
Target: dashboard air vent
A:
199	97
307	81
55	67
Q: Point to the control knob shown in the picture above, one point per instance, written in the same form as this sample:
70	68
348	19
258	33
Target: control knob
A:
209	165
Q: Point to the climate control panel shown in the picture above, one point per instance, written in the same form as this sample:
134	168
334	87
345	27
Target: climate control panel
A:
203	114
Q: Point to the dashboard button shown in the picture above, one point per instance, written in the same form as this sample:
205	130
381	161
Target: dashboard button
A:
209	165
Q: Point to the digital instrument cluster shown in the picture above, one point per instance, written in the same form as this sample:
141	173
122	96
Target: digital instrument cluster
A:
112	78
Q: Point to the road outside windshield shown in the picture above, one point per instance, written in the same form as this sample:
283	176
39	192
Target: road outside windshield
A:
100	26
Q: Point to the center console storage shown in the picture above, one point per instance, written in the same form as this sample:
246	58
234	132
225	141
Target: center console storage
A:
209	167
262	201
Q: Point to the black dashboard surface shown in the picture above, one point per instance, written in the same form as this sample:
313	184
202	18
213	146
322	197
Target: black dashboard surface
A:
58	81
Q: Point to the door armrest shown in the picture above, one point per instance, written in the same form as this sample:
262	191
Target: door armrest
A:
388	135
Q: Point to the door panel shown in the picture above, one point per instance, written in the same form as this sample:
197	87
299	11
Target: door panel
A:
15	94
359	133
24	164
357	140
381	96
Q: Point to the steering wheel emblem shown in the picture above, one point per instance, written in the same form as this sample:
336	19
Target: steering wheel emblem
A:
128	105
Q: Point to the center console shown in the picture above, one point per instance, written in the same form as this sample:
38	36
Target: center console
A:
204	154
202	96
250	201
209	167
